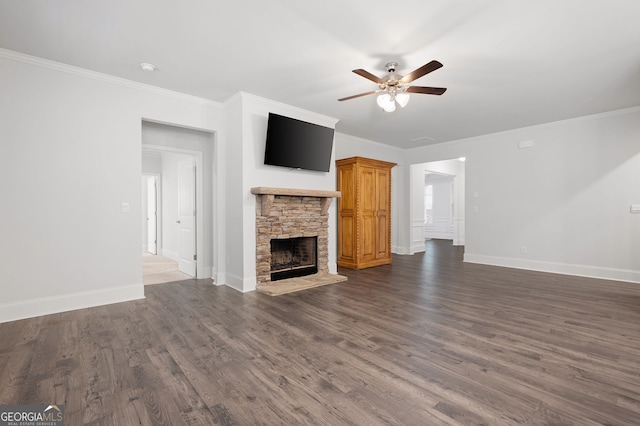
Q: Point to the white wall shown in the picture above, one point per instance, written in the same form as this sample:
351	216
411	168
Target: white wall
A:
234	225
566	200
70	156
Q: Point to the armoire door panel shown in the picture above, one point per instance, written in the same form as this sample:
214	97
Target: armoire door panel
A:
346	246
367	189
382	237
382	190
346	181
368	237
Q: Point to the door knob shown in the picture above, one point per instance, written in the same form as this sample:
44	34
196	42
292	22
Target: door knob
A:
177	221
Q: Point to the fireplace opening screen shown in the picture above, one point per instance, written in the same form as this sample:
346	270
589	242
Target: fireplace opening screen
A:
293	257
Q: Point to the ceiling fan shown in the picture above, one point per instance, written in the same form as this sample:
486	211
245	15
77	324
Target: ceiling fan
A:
394	87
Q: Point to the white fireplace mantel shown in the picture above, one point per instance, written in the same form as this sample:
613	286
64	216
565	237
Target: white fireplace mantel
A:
268	194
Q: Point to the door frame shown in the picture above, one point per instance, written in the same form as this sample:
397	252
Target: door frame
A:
199	162
158	178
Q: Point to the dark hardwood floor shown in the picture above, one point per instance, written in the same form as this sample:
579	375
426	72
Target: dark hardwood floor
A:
427	340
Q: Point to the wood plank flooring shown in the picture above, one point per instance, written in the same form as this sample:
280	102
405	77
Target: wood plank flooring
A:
427	340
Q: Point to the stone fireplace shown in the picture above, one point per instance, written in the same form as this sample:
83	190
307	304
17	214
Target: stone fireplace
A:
298	215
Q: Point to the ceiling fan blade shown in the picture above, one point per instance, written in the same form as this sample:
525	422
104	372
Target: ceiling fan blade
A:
423	70
427	90
369	76
357	96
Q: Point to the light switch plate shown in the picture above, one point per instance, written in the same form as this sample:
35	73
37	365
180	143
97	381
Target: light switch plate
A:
125	208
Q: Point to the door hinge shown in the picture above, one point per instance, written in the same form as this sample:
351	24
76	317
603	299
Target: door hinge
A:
195	257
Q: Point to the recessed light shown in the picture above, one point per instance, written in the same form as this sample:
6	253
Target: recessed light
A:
147	67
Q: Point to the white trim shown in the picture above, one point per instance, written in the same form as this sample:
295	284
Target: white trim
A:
70	69
220	278
417	236
599	272
238	283
400	250
69	302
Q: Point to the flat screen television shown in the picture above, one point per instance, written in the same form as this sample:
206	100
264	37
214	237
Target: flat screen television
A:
297	144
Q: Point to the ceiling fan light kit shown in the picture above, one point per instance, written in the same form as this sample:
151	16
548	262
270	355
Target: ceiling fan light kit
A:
393	88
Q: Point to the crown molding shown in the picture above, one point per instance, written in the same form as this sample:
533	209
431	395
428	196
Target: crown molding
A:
107	78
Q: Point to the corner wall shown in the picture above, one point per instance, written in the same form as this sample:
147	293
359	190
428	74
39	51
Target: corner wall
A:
561	205
71	165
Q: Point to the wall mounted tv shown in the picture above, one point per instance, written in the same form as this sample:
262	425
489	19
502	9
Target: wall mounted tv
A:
297	144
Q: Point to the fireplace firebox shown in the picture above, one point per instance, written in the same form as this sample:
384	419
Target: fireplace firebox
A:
293	257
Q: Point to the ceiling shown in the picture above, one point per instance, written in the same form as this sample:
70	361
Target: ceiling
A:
507	63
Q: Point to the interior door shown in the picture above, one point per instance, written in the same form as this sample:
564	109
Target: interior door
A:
187	216
152	215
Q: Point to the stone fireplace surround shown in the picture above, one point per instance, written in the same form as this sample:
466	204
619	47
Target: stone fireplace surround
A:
291	213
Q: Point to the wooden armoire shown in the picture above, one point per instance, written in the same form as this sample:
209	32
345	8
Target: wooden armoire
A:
364	212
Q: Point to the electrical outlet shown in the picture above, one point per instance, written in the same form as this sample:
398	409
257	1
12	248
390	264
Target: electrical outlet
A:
523	250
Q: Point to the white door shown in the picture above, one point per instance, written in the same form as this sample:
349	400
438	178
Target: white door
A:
152	215
187	216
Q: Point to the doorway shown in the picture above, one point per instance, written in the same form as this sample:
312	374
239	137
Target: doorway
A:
438	206
182	161
437	202
171	212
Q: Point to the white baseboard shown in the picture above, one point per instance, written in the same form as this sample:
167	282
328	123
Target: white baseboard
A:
417	248
400	250
438	235
557	268
218	278
238	283
69	302
205	273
